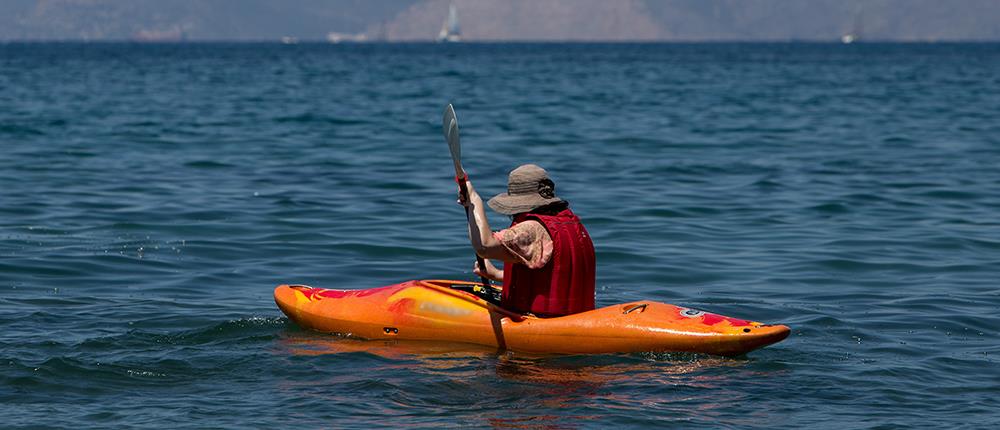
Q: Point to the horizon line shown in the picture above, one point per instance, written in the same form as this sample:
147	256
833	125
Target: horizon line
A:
279	41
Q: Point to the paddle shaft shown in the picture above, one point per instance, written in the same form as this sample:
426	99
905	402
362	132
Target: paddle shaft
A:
449	126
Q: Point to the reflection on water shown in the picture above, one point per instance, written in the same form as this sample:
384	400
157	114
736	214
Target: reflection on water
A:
621	384
322	344
519	391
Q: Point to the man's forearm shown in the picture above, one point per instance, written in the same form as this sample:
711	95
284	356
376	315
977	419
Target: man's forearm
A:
492	272
479	225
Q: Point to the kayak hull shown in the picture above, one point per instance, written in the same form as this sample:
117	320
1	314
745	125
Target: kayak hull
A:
436	310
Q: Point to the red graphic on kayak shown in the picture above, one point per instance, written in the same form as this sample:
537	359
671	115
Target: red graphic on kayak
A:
319	293
713	319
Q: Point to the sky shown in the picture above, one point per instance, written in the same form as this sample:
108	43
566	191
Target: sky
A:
501	20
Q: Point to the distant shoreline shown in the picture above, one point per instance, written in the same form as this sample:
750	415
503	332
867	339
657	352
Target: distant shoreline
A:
502	42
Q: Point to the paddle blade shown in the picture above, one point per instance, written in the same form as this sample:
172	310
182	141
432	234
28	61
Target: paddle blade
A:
456	148
450	128
449	115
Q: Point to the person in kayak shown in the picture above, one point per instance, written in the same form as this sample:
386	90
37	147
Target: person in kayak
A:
548	258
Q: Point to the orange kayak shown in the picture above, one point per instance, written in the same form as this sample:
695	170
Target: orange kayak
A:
457	311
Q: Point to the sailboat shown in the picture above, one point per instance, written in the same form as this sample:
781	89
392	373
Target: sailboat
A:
856	29
449	30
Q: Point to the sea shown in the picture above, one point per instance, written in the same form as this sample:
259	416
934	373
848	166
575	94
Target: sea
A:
153	195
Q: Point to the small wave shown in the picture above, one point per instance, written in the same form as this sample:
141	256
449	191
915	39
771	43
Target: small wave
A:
207	164
897	139
851	265
952	195
831	208
20	130
659	213
236	331
145	373
79	153
312	118
768	183
700	210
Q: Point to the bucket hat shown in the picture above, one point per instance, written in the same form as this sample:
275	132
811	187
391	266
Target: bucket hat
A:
528	188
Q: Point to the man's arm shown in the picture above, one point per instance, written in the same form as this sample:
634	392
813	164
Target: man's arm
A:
480	235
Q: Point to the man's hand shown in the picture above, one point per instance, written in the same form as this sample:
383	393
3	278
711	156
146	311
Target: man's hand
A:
490	272
474	200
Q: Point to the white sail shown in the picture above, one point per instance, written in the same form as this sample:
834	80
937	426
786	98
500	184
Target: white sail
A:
450	31
856	28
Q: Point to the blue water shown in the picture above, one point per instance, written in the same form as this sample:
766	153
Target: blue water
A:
152	196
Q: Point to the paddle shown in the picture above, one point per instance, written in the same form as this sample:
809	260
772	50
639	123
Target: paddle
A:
450	128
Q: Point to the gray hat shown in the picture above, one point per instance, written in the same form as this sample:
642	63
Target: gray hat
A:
528	188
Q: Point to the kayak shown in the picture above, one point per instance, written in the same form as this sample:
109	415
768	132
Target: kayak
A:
458	311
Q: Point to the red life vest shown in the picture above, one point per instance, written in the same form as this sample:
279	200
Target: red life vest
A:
565	285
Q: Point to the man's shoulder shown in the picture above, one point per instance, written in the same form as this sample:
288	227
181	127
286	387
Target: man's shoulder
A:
532	228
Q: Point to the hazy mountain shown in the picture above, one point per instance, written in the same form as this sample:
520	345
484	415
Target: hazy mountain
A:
529	20
196	19
828	19
502	20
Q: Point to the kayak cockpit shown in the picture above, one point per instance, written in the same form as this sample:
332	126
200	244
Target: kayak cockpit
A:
489	293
